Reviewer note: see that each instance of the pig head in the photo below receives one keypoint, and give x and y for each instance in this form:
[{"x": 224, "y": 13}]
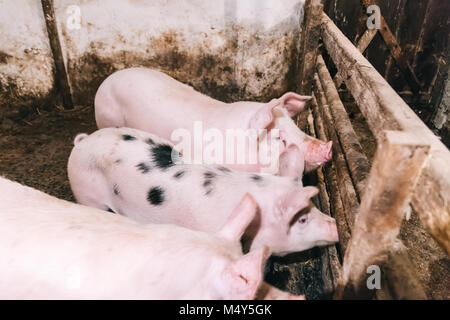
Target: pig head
[
  {"x": 296, "y": 225},
  {"x": 299, "y": 152}
]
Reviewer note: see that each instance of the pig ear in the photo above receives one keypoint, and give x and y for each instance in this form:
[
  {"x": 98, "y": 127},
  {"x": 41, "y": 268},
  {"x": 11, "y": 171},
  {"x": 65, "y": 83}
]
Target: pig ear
[
  {"x": 239, "y": 219},
  {"x": 245, "y": 275},
  {"x": 263, "y": 118},
  {"x": 295, "y": 201},
  {"x": 293, "y": 102},
  {"x": 292, "y": 162}
]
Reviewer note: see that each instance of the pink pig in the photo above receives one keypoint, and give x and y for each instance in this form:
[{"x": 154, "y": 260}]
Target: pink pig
[
  {"x": 152, "y": 101},
  {"x": 54, "y": 249},
  {"x": 132, "y": 173},
  {"x": 268, "y": 292}
]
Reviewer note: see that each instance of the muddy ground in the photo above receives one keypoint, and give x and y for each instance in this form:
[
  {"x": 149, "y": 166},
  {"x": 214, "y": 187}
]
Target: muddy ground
[{"x": 35, "y": 150}]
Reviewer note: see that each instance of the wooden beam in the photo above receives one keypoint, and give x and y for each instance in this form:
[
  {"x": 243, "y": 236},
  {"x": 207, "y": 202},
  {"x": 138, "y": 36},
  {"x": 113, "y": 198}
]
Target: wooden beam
[
  {"x": 310, "y": 37},
  {"x": 329, "y": 256},
  {"x": 356, "y": 160},
  {"x": 344, "y": 181},
  {"x": 385, "y": 110},
  {"x": 335, "y": 201},
  {"x": 362, "y": 45},
  {"x": 398, "y": 163},
  {"x": 61, "y": 81},
  {"x": 401, "y": 277},
  {"x": 397, "y": 53}
]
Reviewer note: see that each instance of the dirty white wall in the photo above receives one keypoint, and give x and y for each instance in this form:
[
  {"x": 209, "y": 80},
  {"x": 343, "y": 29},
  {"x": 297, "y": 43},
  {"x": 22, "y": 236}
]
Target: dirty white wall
[
  {"x": 26, "y": 62},
  {"x": 230, "y": 49},
  {"x": 226, "y": 48}
]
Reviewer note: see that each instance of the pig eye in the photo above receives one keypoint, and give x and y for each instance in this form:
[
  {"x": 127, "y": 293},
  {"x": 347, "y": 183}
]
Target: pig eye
[{"x": 303, "y": 220}]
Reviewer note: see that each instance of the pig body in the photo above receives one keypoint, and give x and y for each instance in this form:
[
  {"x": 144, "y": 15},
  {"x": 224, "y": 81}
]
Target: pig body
[
  {"x": 131, "y": 172},
  {"x": 151, "y": 101},
  {"x": 54, "y": 249}
]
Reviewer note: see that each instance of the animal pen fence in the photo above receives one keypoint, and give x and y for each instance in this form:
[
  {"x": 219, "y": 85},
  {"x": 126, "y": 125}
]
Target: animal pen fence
[{"x": 410, "y": 170}]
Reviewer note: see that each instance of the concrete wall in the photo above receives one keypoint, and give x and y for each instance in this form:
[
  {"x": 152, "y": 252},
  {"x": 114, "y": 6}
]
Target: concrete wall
[
  {"x": 26, "y": 62},
  {"x": 229, "y": 49}
]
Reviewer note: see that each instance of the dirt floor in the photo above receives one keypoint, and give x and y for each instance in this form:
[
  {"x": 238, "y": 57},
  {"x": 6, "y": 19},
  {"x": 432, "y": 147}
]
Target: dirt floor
[{"x": 35, "y": 150}]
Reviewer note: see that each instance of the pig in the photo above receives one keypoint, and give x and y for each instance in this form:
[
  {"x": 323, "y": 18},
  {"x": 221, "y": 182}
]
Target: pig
[
  {"x": 139, "y": 175},
  {"x": 152, "y": 101},
  {"x": 268, "y": 292},
  {"x": 55, "y": 249}
]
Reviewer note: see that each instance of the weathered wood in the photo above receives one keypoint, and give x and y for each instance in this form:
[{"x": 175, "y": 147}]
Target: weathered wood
[
  {"x": 362, "y": 45},
  {"x": 329, "y": 257},
  {"x": 344, "y": 181},
  {"x": 310, "y": 37},
  {"x": 385, "y": 110},
  {"x": 330, "y": 252},
  {"x": 396, "y": 52},
  {"x": 352, "y": 65},
  {"x": 401, "y": 277},
  {"x": 356, "y": 160},
  {"x": 61, "y": 81},
  {"x": 398, "y": 163},
  {"x": 335, "y": 201}
]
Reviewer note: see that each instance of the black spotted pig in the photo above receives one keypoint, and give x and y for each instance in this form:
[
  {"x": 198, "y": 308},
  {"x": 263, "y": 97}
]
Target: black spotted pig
[
  {"x": 131, "y": 172},
  {"x": 55, "y": 249},
  {"x": 152, "y": 101}
]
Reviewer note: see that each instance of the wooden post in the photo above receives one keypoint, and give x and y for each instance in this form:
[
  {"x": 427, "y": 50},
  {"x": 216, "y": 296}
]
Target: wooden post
[
  {"x": 356, "y": 160},
  {"x": 398, "y": 163},
  {"x": 396, "y": 52},
  {"x": 401, "y": 276},
  {"x": 311, "y": 29},
  {"x": 329, "y": 256},
  {"x": 384, "y": 109},
  {"x": 336, "y": 206},
  {"x": 362, "y": 45},
  {"x": 61, "y": 80},
  {"x": 344, "y": 181}
]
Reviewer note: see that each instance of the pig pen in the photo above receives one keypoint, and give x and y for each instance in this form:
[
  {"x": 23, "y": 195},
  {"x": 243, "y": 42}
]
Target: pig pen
[{"x": 386, "y": 162}]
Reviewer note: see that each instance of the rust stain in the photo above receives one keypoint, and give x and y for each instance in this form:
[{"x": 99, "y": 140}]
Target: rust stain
[{"x": 213, "y": 73}]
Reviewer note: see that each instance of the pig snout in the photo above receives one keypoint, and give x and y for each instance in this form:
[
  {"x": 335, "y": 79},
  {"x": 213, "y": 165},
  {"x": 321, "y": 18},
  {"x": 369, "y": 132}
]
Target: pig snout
[
  {"x": 319, "y": 151},
  {"x": 329, "y": 231},
  {"x": 328, "y": 151},
  {"x": 332, "y": 231}
]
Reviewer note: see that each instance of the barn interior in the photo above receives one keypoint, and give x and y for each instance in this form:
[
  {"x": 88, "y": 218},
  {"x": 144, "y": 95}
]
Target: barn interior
[{"x": 55, "y": 53}]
